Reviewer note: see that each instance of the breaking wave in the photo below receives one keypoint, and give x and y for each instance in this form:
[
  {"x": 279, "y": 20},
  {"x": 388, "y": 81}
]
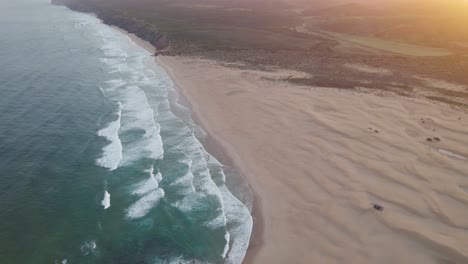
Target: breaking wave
[
  {"x": 172, "y": 174},
  {"x": 112, "y": 153}
]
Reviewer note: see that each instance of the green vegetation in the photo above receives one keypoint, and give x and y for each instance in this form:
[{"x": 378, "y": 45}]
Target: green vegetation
[
  {"x": 194, "y": 26},
  {"x": 262, "y": 34}
]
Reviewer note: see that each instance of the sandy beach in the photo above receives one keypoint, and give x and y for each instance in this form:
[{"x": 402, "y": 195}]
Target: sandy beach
[{"x": 319, "y": 158}]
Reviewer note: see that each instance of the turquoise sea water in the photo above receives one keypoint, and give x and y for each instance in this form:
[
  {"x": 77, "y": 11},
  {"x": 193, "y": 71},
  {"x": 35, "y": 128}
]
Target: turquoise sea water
[{"x": 98, "y": 161}]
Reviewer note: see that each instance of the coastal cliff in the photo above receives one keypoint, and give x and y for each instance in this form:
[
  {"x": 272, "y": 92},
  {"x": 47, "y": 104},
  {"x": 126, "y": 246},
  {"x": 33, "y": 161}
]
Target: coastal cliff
[
  {"x": 266, "y": 37},
  {"x": 136, "y": 26}
]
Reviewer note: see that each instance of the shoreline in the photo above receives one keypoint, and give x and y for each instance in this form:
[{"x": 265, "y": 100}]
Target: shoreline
[
  {"x": 319, "y": 158},
  {"x": 218, "y": 147},
  {"x": 317, "y": 168},
  {"x": 213, "y": 144}
]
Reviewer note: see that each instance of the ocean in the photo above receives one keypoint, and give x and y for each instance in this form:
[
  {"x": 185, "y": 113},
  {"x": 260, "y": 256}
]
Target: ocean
[{"x": 99, "y": 163}]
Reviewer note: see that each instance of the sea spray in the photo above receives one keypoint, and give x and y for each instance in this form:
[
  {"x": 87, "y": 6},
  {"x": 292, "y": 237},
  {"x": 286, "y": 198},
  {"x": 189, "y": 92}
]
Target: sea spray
[
  {"x": 187, "y": 198},
  {"x": 106, "y": 200},
  {"x": 112, "y": 153}
]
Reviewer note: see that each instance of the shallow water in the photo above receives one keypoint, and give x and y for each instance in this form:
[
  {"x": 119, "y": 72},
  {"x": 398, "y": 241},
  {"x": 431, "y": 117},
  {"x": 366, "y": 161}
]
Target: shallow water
[{"x": 96, "y": 167}]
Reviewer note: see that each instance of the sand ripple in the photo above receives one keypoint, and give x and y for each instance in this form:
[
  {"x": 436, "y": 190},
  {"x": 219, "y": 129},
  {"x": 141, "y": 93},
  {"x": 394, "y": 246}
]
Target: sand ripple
[{"x": 319, "y": 158}]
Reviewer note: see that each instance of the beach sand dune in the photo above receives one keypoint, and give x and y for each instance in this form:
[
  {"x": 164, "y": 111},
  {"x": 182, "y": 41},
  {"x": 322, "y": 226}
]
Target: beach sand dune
[{"x": 319, "y": 158}]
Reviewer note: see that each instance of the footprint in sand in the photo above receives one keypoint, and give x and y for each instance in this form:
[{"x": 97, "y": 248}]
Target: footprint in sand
[
  {"x": 434, "y": 139},
  {"x": 427, "y": 123}
]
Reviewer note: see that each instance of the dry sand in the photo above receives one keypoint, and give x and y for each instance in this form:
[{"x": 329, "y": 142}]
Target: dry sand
[{"x": 318, "y": 158}]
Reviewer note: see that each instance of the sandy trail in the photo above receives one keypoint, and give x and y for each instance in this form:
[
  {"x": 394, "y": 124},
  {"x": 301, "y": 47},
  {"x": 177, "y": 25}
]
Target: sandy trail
[{"x": 318, "y": 158}]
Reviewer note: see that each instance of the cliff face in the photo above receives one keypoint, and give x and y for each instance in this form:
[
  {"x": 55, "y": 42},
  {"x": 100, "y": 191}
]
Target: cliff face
[{"x": 140, "y": 28}]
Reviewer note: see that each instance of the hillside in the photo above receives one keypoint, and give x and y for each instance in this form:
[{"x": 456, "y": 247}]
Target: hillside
[
  {"x": 439, "y": 24},
  {"x": 351, "y": 9},
  {"x": 201, "y": 25},
  {"x": 263, "y": 34}
]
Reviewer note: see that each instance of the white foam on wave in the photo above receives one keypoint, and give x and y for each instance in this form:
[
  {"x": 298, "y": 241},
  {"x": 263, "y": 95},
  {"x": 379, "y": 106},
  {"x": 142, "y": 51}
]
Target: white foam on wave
[
  {"x": 451, "y": 154},
  {"x": 88, "y": 247},
  {"x": 113, "y": 50},
  {"x": 144, "y": 205},
  {"x": 240, "y": 226},
  {"x": 112, "y": 153},
  {"x": 233, "y": 214},
  {"x": 157, "y": 177},
  {"x": 146, "y": 186},
  {"x": 115, "y": 57},
  {"x": 102, "y": 91},
  {"x": 184, "y": 182},
  {"x": 115, "y": 83},
  {"x": 149, "y": 192},
  {"x": 197, "y": 185},
  {"x": 226, "y": 246},
  {"x": 216, "y": 222},
  {"x": 106, "y": 200},
  {"x": 176, "y": 260},
  {"x": 139, "y": 116},
  {"x": 238, "y": 220},
  {"x": 139, "y": 131}
]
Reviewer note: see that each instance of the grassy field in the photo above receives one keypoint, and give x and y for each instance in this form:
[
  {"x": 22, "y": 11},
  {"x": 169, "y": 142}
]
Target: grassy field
[{"x": 392, "y": 46}]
